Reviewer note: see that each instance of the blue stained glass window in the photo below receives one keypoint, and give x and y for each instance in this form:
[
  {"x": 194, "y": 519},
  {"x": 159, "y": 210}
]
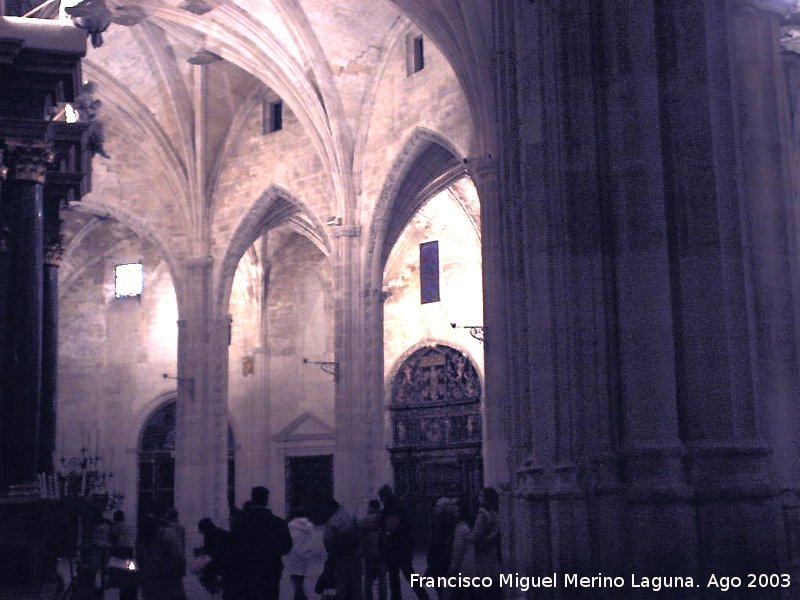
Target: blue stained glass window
[{"x": 429, "y": 272}]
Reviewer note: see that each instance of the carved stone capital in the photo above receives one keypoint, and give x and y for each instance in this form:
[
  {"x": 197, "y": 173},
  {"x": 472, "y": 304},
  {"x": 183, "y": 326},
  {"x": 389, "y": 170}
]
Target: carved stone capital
[
  {"x": 28, "y": 161},
  {"x": 347, "y": 231},
  {"x": 54, "y": 251},
  {"x": 483, "y": 166}
]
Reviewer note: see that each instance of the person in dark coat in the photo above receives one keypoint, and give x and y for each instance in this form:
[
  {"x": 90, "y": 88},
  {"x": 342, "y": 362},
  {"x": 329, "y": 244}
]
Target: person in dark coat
[
  {"x": 445, "y": 517},
  {"x": 259, "y": 539},
  {"x": 397, "y": 543},
  {"x": 485, "y": 538},
  {"x": 374, "y": 569},
  {"x": 217, "y": 545},
  {"x": 341, "y": 539},
  {"x": 122, "y": 548},
  {"x": 161, "y": 562}
]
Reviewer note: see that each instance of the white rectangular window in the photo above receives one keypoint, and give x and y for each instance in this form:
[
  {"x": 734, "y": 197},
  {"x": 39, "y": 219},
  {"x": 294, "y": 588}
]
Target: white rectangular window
[{"x": 128, "y": 280}]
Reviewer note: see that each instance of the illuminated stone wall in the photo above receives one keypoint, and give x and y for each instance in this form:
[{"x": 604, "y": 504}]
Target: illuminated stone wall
[{"x": 112, "y": 351}]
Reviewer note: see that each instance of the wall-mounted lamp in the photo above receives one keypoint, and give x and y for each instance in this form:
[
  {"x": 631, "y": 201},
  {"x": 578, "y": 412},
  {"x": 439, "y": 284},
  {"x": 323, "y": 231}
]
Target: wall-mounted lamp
[
  {"x": 189, "y": 381},
  {"x": 476, "y": 331},
  {"x": 334, "y": 220},
  {"x": 329, "y": 366}
]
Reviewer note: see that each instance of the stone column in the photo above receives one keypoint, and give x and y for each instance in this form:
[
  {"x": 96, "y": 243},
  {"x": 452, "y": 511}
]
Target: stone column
[
  {"x": 259, "y": 435},
  {"x": 27, "y": 163},
  {"x": 5, "y": 285},
  {"x": 352, "y": 463},
  {"x": 484, "y": 172},
  {"x": 741, "y": 412},
  {"x": 201, "y": 443},
  {"x": 661, "y": 537},
  {"x": 5, "y": 274},
  {"x": 53, "y": 250}
]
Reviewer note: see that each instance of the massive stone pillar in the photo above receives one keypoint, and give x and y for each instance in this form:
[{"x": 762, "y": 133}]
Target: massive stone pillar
[
  {"x": 661, "y": 537},
  {"x": 201, "y": 442},
  {"x": 27, "y": 161},
  {"x": 484, "y": 171},
  {"x": 752, "y": 446},
  {"x": 5, "y": 290},
  {"x": 52, "y": 259},
  {"x": 648, "y": 146},
  {"x": 353, "y": 465}
]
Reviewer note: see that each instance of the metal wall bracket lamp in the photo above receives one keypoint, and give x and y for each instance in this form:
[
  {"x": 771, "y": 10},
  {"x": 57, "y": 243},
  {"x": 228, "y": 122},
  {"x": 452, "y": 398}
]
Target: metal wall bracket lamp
[
  {"x": 189, "y": 381},
  {"x": 476, "y": 331},
  {"x": 328, "y": 366}
]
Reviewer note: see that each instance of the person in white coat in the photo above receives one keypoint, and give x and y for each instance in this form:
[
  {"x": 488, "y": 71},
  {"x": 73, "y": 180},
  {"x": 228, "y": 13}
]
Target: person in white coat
[{"x": 296, "y": 562}]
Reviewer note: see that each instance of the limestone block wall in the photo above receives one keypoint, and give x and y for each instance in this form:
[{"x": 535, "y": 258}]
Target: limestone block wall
[
  {"x": 407, "y": 322},
  {"x": 257, "y": 161},
  {"x": 112, "y": 353},
  {"x": 430, "y": 98}
]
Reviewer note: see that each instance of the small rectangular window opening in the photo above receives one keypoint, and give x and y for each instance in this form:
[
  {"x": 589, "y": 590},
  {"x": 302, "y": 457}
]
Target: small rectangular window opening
[
  {"x": 419, "y": 54},
  {"x": 272, "y": 119},
  {"x": 276, "y": 115},
  {"x": 128, "y": 280},
  {"x": 429, "y": 272}
]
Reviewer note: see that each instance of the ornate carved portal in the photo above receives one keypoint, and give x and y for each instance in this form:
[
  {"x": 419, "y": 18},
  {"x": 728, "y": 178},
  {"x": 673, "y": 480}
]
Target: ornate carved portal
[
  {"x": 435, "y": 414},
  {"x": 157, "y": 463}
]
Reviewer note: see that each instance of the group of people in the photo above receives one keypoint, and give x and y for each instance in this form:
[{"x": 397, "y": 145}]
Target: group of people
[
  {"x": 246, "y": 563},
  {"x": 161, "y": 554},
  {"x": 461, "y": 543},
  {"x": 249, "y": 561},
  {"x": 466, "y": 543}
]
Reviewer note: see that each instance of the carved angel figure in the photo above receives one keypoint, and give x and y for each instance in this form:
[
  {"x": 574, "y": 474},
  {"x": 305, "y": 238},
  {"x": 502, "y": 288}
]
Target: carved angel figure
[{"x": 91, "y": 15}]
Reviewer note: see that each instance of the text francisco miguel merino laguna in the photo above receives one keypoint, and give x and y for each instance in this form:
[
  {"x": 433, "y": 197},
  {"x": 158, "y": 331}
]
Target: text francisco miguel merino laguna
[{"x": 566, "y": 580}]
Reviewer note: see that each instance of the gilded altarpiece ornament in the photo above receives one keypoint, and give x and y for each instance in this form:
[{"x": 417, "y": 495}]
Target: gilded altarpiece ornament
[
  {"x": 436, "y": 429},
  {"x": 28, "y": 161},
  {"x": 54, "y": 249}
]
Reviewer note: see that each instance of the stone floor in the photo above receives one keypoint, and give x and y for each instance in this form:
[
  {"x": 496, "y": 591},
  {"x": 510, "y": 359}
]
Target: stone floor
[{"x": 194, "y": 591}]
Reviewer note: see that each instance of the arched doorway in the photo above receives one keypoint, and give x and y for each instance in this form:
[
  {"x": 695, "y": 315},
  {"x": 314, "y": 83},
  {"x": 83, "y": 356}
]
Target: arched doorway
[
  {"x": 435, "y": 416},
  {"x": 156, "y": 483}
]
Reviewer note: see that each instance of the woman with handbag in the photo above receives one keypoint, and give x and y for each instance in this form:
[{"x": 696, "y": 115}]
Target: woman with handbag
[{"x": 119, "y": 572}]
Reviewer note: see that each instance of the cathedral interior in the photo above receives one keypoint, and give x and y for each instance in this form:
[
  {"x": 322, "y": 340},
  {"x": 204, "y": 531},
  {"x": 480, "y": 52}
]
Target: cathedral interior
[{"x": 324, "y": 245}]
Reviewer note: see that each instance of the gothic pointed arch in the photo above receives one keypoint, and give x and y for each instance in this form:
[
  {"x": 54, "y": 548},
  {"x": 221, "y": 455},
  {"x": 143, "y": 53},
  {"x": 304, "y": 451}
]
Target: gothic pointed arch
[
  {"x": 428, "y": 163},
  {"x": 274, "y": 207},
  {"x": 138, "y": 226}
]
